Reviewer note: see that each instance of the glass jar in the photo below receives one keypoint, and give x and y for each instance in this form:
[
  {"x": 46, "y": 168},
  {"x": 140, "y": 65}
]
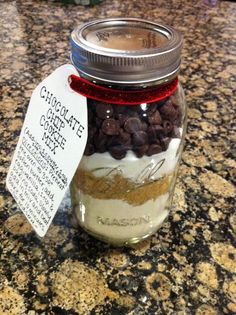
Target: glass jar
[{"x": 122, "y": 190}]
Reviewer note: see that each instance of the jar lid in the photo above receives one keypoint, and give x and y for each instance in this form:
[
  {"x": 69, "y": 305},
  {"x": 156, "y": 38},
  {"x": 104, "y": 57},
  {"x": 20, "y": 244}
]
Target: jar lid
[{"x": 126, "y": 51}]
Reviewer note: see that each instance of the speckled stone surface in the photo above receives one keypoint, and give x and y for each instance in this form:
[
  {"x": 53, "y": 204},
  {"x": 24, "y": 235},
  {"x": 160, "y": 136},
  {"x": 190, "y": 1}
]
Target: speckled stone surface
[{"x": 189, "y": 267}]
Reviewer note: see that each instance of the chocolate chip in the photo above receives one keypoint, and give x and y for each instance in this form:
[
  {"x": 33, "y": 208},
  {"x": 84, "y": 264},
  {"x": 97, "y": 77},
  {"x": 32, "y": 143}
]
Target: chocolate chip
[
  {"x": 111, "y": 141},
  {"x": 141, "y": 150},
  {"x": 165, "y": 143},
  {"x": 122, "y": 119},
  {"x": 151, "y": 134},
  {"x": 155, "y": 132},
  {"x": 118, "y": 152},
  {"x": 157, "y": 141},
  {"x": 144, "y": 126},
  {"x": 154, "y": 149},
  {"x": 179, "y": 116},
  {"x": 91, "y": 132},
  {"x": 98, "y": 122},
  {"x": 132, "y": 125},
  {"x": 159, "y": 131},
  {"x": 168, "y": 127},
  {"x": 173, "y": 101},
  {"x": 139, "y": 138},
  {"x": 168, "y": 111},
  {"x": 124, "y": 138},
  {"x": 155, "y": 118},
  {"x": 151, "y": 108},
  {"x": 100, "y": 140},
  {"x": 89, "y": 149},
  {"x": 104, "y": 111},
  {"x": 110, "y": 127}
]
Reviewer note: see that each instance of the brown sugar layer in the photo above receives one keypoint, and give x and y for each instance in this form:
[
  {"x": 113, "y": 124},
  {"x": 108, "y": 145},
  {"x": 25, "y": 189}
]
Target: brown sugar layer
[{"x": 118, "y": 187}]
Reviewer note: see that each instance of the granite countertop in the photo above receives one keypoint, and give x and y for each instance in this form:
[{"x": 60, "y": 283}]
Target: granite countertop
[{"x": 189, "y": 266}]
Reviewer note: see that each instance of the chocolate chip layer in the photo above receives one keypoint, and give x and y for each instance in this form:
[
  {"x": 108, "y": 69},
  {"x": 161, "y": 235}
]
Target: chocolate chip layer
[{"x": 146, "y": 130}]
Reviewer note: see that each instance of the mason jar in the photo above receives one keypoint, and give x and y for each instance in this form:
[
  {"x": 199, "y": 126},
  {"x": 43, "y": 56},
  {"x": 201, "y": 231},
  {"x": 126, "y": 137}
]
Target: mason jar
[{"x": 128, "y": 69}]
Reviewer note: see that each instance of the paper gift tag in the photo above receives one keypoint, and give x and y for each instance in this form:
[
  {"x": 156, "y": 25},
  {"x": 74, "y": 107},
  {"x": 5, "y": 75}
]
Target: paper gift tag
[{"x": 50, "y": 147}]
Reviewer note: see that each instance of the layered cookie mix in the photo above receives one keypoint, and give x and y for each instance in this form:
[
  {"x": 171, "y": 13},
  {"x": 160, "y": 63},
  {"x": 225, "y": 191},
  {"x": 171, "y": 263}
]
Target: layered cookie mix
[{"x": 124, "y": 181}]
